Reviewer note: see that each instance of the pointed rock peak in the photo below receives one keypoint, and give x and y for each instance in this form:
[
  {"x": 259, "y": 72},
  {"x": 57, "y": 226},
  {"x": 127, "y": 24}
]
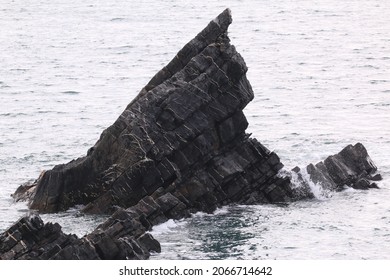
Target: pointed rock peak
[
  {"x": 181, "y": 140},
  {"x": 179, "y": 148},
  {"x": 224, "y": 19},
  {"x": 216, "y": 29}
]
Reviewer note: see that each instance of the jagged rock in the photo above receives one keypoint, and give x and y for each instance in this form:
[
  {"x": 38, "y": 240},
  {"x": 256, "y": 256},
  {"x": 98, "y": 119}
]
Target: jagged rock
[
  {"x": 124, "y": 234},
  {"x": 30, "y": 238},
  {"x": 181, "y": 139},
  {"x": 351, "y": 167},
  {"x": 376, "y": 177},
  {"x": 26, "y": 191},
  {"x": 179, "y": 147}
]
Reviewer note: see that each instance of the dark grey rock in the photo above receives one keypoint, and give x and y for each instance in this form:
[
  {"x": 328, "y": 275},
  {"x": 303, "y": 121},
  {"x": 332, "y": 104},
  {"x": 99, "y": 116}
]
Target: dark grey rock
[
  {"x": 373, "y": 186},
  {"x": 30, "y": 238},
  {"x": 151, "y": 244},
  {"x": 361, "y": 184},
  {"x": 376, "y": 177},
  {"x": 352, "y": 167},
  {"x": 179, "y": 147},
  {"x": 184, "y": 135}
]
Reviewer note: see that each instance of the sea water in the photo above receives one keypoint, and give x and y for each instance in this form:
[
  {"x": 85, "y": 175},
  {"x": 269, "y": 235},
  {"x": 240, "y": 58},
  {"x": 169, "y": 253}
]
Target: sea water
[{"x": 321, "y": 78}]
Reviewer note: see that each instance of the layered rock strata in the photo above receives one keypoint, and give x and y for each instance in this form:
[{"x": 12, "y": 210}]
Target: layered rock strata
[
  {"x": 352, "y": 167},
  {"x": 30, "y": 238},
  {"x": 179, "y": 147},
  {"x": 124, "y": 234},
  {"x": 183, "y": 135}
]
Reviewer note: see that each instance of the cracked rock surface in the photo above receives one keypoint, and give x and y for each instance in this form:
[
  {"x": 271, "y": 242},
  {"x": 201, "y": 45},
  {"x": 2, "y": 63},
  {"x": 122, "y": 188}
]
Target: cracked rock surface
[
  {"x": 351, "y": 167},
  {"x": 179, "y": 147},
  {"x": 182, "y": 136}
]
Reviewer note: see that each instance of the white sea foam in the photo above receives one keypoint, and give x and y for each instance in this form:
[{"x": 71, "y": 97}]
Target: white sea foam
[
  {"x": 166, "y": 227},
  {"x": 317, "y": 189},
  {"x": 304, "y": 181}
]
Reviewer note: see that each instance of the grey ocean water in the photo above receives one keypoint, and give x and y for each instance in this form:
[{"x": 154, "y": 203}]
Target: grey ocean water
[{"x": 320, "y": 71}]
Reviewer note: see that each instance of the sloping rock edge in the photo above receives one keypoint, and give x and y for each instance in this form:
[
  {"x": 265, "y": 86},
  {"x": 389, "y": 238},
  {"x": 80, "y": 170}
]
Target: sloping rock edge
[{"x": 240, "y": 169}]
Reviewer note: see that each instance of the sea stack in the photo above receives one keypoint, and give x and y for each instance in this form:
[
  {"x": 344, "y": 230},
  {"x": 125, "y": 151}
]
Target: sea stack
[
  {"x": 178, "y": 148},
  {"x": 183, "y": 136}
]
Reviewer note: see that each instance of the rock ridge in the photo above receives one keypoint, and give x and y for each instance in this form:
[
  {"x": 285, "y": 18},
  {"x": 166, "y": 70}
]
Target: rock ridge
[
  {"x": 178, "y": 148},
  {"x": 351, "y": 167},
  {"x": 184, "y": 134}
]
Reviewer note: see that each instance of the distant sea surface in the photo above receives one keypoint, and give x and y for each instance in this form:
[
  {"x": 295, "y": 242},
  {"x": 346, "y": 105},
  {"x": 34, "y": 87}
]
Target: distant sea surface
[{"x": 320, "y": 71}]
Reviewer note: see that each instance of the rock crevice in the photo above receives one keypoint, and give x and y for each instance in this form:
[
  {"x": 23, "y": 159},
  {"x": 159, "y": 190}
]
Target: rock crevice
[
  {"x": 351, "y": 167},
  {"x": 184, "y": 134},
  {"x": 179, "y": 147}
]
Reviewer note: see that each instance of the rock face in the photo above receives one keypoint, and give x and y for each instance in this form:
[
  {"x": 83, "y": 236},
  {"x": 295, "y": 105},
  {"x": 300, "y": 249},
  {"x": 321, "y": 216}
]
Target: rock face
[
  {"x": 30, "y": 238},
  {"x": 182, "y": 136},
  {"x": 124, "y": 234},
  {"x": 352, "y": 167},
  {"x": 179, "y": 147}
]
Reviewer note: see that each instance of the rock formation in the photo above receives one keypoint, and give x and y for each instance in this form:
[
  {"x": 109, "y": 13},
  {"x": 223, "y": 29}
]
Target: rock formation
[
  {"x": 30, "y": 238},
  {"x": 179, "y": 147},
  {"x": 183, "y": 135},
  {"x": 352, "y": 167}
]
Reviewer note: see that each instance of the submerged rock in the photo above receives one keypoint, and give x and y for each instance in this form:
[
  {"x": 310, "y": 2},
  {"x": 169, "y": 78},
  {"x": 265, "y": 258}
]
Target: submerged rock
[{"x": 179, "y": 147}]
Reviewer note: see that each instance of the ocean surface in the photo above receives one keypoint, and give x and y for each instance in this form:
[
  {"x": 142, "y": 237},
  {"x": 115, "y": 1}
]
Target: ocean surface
[{"x": 320, "y": 71}]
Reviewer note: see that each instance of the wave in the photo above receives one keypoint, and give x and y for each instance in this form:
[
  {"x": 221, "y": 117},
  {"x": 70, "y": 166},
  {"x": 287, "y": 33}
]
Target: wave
[{"x": 301, "y": 183}]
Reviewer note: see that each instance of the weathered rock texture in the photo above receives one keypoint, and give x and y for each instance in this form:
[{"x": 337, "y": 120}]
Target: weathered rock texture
[
  {"x": 352, "y": 167},
  {"x": 30, "y": 238},
  {"x": 183, "y": 136},
  {"x": 179, "y": 147},
  {"x": 124, "y": 234}
]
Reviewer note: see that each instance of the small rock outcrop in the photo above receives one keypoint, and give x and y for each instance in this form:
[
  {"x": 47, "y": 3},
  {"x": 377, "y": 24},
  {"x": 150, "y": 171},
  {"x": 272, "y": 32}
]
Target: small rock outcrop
[
  {"x": 30, "y": 238},
  {"x": 179, "y": 147},
  {"x": 352, "y": 167}
]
